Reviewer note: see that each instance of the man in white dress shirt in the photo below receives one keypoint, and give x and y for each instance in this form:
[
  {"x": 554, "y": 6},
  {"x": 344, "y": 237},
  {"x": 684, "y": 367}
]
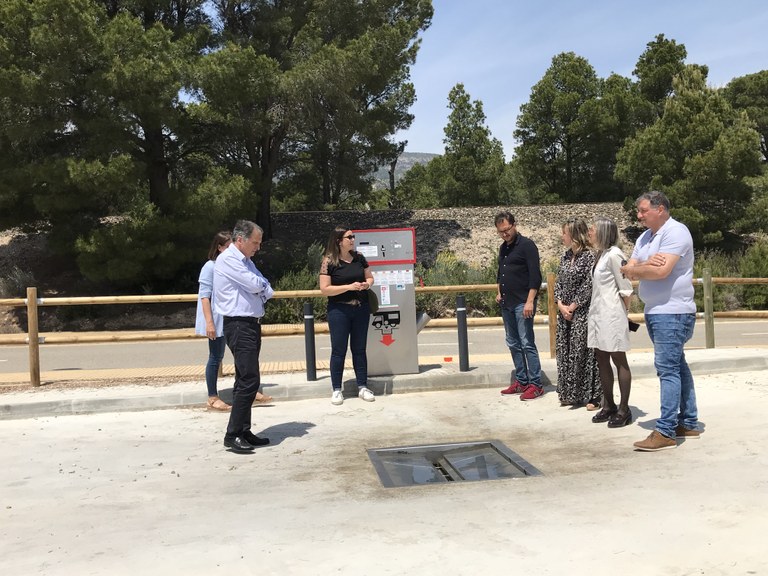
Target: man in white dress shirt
[{"x": 240, "y": 292}]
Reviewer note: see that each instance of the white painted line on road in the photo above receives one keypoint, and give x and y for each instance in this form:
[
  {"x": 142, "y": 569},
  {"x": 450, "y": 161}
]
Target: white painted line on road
[{"x": 754, "y": 333}]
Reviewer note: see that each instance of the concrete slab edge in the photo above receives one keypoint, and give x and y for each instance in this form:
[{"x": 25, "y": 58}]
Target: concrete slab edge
[{"x": 436, "y": 379}]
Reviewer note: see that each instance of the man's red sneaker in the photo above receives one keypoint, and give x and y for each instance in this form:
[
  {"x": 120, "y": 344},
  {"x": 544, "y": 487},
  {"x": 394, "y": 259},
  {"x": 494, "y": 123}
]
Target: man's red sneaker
[
  {"x": 532, "y": 392},
  {"x": 514, "y": 388}
]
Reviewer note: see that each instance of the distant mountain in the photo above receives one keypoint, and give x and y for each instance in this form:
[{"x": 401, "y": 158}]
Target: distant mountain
[{"x": 406, "y": 161}]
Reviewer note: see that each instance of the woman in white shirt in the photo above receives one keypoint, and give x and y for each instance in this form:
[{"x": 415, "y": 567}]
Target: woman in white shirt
[
  {"x": 209, "y": 323},
  {"x": 608, "y": 331}
]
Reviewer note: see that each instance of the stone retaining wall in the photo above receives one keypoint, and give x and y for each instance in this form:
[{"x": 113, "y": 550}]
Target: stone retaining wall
[{"x": 468, "y": 232}]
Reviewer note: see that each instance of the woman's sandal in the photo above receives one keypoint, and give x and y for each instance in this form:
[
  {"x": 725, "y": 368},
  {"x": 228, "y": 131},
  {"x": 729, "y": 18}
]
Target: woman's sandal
[
  {"x": 262, "y": 398},
  {"x": 218, "y": 405},
  {"x": 593, "y": 405}
]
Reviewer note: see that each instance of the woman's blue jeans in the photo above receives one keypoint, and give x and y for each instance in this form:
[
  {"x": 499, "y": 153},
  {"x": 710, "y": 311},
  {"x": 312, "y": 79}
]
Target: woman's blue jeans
[
  {"x": 522, "y": 345},
  {"x": 215, "y": 356},
  {"x": 669, "y": 333},
  {"x": 348, "y": 325}
]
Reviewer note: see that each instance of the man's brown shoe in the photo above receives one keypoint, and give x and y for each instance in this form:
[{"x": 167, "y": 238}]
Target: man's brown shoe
[
  {"x": 683, "y": 432},
  {"x": 655, "y": 441}
]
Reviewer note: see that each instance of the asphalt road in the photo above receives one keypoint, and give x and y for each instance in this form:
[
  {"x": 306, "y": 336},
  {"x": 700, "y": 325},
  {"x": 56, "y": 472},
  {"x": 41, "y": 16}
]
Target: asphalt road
[{"x": 432, "y": 342}]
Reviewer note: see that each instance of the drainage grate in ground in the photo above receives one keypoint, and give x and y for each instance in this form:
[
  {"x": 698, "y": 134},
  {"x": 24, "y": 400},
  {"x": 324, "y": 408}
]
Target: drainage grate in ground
[{"x": 463, "y": 461}]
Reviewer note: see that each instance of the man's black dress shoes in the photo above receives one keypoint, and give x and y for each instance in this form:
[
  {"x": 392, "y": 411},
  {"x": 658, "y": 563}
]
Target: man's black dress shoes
[
  {"x": 254, "y": 440},
  {"x": 239, "y": 445}
]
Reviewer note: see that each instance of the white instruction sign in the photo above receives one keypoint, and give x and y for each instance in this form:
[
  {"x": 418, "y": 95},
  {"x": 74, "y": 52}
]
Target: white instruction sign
[
  {"x": 398, "y": 278},
  {"x": 368, "y": 250},
  {"x": 386, "y": 299}
]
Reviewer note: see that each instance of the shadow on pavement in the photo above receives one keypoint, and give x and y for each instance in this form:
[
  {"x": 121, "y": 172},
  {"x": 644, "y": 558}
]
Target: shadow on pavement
[{"x": 280, "y": 432}]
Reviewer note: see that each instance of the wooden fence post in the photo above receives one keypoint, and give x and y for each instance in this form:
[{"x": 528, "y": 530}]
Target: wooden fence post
[
  {"x": 552, "y": 313},
  {"x": 33, "y": 337},
  {"x": 709, "y": 309}
]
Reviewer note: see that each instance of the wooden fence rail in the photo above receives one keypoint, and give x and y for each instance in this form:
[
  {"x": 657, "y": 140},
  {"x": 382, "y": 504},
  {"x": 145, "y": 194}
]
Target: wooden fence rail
[{"x": 32, "y": 302}]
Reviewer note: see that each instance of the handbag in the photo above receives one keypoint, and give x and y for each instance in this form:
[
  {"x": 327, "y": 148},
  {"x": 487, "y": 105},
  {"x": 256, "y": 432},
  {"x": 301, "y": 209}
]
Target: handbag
[{"x": 373, "y": 301}]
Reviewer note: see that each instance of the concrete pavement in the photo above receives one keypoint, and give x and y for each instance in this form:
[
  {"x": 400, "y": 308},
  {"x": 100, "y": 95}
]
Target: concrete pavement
[{"x": 154, "y": 492}]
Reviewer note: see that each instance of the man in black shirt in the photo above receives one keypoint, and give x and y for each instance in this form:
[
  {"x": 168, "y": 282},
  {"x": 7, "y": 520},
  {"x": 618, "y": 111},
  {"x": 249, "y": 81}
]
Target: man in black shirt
[{"x": 519, "y": 280}]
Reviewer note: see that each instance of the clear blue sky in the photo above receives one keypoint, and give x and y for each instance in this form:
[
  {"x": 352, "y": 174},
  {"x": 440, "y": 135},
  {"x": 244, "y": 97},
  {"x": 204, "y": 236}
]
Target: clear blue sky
[{"x": 500, "y": 48}]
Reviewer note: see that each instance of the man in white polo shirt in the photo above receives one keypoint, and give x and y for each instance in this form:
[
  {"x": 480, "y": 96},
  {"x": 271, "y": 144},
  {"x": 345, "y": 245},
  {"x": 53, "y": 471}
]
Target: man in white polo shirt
[{"x": 663, "y": 262}]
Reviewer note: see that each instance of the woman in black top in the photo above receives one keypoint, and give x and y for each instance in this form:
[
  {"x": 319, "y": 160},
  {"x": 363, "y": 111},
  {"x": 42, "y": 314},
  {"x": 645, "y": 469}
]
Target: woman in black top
[{"x": 344, "y": 278}]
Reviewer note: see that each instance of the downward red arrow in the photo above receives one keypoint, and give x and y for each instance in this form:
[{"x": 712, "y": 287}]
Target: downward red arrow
[{"x": 387, "y": 339}]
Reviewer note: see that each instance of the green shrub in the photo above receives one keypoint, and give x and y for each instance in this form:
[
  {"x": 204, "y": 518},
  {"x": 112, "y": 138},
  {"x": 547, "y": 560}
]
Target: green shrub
[
  {"x": 315, "y": 254},
  {"x": 754, "y": 264},
  {"x": 147, "y": 249},
  {"x": 448, "y": 270},
  {"x": 15, "y": 282},
  {"x": 720, "y": 264},
  {"x": 291, "y": 310}
]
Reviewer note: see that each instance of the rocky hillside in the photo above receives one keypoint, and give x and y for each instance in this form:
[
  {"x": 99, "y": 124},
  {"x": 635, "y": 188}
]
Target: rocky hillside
[
  {"x": 468, "y": 232},
  {"x": 405, "y": 162}
]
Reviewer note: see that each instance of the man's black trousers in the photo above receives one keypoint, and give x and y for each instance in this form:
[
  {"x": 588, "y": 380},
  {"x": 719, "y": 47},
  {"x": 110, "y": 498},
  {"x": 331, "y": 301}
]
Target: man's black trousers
[{"x": 243, "y": 337}]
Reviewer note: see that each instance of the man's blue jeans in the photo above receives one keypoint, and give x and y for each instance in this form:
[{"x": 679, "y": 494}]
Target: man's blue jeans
[
  {"x": 669, "y": 333},
  {"x": 522, "y": 345}
]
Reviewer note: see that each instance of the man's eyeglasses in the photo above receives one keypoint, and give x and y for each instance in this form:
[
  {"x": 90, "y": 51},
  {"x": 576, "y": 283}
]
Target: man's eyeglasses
[
  {"x": 505, "y": 231},
  {"x": 350, "y": 237}
]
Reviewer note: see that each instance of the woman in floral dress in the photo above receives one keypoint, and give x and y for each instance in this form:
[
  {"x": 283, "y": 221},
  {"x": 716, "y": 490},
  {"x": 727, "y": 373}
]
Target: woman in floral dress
[{"x": 578, "y": 378}]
